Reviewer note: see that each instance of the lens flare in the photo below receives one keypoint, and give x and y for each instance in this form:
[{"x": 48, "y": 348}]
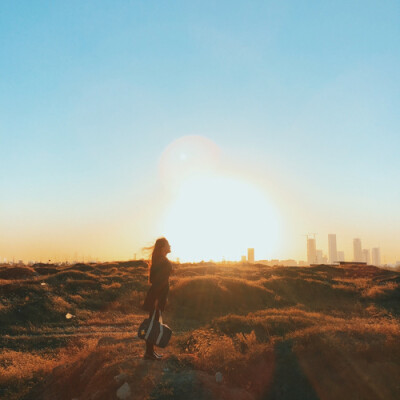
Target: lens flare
[{"x": 186, "y": 158}]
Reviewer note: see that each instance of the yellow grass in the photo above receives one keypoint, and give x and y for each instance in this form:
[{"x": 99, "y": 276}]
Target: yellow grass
[{"x": 258, "y": 326}]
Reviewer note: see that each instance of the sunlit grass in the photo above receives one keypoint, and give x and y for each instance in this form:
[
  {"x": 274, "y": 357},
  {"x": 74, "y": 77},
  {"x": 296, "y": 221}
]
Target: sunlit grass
[{"x": 333, "y": 324}]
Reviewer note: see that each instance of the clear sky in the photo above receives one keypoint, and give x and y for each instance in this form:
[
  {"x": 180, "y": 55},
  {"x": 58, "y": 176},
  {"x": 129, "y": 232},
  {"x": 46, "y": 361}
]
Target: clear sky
[{"x": 220, "y": 124}]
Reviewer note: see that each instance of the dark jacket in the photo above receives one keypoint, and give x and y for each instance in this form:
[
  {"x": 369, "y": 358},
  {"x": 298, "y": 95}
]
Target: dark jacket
[{"x": 159, "y": 279}]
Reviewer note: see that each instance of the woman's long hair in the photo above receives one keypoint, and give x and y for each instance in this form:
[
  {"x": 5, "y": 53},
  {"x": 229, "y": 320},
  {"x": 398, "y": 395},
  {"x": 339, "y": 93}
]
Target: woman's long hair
[{"x": 156, "y": 255}]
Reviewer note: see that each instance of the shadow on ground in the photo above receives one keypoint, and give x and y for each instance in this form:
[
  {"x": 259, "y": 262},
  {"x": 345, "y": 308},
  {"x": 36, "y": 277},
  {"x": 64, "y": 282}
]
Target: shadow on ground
[{"x": 289, "y": 381}]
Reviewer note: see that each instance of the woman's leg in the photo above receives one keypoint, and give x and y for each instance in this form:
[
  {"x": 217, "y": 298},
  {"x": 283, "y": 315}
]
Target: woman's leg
[
  {"x": 150, "y": 346},
  {"x": 157, "y": 318}
]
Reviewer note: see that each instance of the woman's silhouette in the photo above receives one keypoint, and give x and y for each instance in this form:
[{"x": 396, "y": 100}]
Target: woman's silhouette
[{"x": 156, "y": 298}]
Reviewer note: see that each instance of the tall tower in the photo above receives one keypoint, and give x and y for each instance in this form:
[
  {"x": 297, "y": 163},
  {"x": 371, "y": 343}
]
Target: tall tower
[
  {"x": 250, "y": 255},
  {"x": 366, "y": 256},
  {"x": 357, "y": 250},
  {"x": 311, "y": 251},
  {"x": 376, "y": 256},
  {"x": 333, "y": 256},
  {"x": 319, "y": 257}
]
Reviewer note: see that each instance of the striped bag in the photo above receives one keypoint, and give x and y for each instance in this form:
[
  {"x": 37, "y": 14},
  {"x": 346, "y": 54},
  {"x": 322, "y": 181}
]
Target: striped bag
[{"x": 155, "y": 331}]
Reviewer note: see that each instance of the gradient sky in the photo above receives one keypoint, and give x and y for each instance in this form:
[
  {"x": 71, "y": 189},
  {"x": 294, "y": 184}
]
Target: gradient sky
[{"x": 292, "y": 103}]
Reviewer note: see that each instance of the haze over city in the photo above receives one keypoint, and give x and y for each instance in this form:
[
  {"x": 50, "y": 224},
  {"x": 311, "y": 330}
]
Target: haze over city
[{"x": 219, "y": 127}]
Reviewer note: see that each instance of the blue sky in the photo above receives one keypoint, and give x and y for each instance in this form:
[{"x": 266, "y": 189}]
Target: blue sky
[{"x": 91, "y": 93}]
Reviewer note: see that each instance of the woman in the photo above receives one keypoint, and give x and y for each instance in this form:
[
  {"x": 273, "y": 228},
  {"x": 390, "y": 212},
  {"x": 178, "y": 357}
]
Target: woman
[{"x": 156, "y": 298}]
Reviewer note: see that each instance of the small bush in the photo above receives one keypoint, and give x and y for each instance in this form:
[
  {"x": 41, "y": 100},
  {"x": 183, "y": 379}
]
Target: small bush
[
  {"x": 204, "y": 297},
  {"x": 16, "y": 273}
]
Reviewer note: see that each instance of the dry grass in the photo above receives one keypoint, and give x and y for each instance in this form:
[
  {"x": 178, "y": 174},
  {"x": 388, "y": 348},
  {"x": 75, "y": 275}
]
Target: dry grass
[
  {"x": 327, "y": 332},
  {"x": 379, "y": 290},
  {"x": 20, "y": 365}
]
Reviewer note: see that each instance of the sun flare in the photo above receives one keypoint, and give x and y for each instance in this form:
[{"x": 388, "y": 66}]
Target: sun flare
[{"x": 213, "y": 215}]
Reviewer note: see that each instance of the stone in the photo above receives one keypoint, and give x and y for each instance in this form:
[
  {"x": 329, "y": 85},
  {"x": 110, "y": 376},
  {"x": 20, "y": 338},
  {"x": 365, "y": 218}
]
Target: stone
[
  {"x": 218, "y": 377},
  {"x": 124, "y": 392}
]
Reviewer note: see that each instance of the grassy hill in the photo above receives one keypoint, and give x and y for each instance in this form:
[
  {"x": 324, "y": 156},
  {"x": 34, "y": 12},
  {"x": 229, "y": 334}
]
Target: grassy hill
[{"x": 272, "y": 332}]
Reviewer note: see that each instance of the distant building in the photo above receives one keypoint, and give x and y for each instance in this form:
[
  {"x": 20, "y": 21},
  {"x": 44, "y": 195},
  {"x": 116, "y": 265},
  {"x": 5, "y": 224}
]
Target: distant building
[
  {"x": 289, "y": 263},
  {"x": 250, "y": 255},
  {"x": 340, "y": 256},
  {"x": 319, "y": 257},
  {"x": 366, "y": 256},
  {"x": 311, "y": 251},
  {"x": 243, "y": 259},
  {"x": 376, "y": 256},
  {"x": 332, "y": 253},
  {"x": 357, "y": 250},
  {"x": 302, "y": 263}
]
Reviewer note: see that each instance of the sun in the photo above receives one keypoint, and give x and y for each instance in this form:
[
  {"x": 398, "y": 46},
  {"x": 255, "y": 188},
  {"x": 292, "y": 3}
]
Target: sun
[{"x": 212, "y": 215}]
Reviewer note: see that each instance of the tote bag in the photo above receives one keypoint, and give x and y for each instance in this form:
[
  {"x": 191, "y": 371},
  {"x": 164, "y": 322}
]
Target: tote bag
[{"x": 155, "y": 331}]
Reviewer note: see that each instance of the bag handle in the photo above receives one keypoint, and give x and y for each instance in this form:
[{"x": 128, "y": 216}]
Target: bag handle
[
  {"x": 161, "y": 330},
  {"x": 151, "y": 325}
]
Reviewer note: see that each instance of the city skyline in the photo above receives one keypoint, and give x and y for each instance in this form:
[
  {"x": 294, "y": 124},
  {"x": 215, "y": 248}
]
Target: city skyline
[
  {"x": 313, "y": 255},
  {"x": 359, "y": 254}
]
